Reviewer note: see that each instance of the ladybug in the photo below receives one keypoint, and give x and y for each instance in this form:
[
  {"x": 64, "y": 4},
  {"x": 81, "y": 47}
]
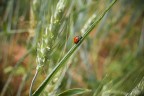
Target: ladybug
[{"x": 77, "y": 39}]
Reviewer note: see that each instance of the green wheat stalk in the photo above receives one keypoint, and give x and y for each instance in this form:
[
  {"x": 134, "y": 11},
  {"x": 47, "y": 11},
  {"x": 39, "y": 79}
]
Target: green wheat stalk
[
  {"x": 45, "y": 46},
  {"x": 138, "y": 89}
]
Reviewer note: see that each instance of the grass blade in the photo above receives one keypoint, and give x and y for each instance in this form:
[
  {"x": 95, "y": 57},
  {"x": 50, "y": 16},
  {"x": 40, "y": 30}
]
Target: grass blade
[{"x": 72, "y": 92}]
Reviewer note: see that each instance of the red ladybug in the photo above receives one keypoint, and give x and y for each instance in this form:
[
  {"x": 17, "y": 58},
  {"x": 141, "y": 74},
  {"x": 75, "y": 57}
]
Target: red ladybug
[{"x": 77, "y": 39}]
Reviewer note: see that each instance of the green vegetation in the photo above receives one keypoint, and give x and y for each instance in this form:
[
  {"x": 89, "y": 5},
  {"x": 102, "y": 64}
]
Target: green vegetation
[{"x": 39, "y": 57}]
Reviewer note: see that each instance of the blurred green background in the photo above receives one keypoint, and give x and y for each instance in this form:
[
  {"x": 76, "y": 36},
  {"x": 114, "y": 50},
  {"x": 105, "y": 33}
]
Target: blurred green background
[{"x": 110, "y": 61}]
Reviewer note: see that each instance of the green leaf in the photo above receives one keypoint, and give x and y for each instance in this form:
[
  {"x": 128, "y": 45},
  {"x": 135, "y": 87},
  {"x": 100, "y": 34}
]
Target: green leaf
[
  {"x": 20, "y": 71},
  {"x": 8, "y": 69},
  {"x": 74, "y": 91}
]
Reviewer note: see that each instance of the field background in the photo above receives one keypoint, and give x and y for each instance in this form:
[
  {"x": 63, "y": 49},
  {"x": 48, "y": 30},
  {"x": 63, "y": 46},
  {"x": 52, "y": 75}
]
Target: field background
[{"x": 35, "y": 35}]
